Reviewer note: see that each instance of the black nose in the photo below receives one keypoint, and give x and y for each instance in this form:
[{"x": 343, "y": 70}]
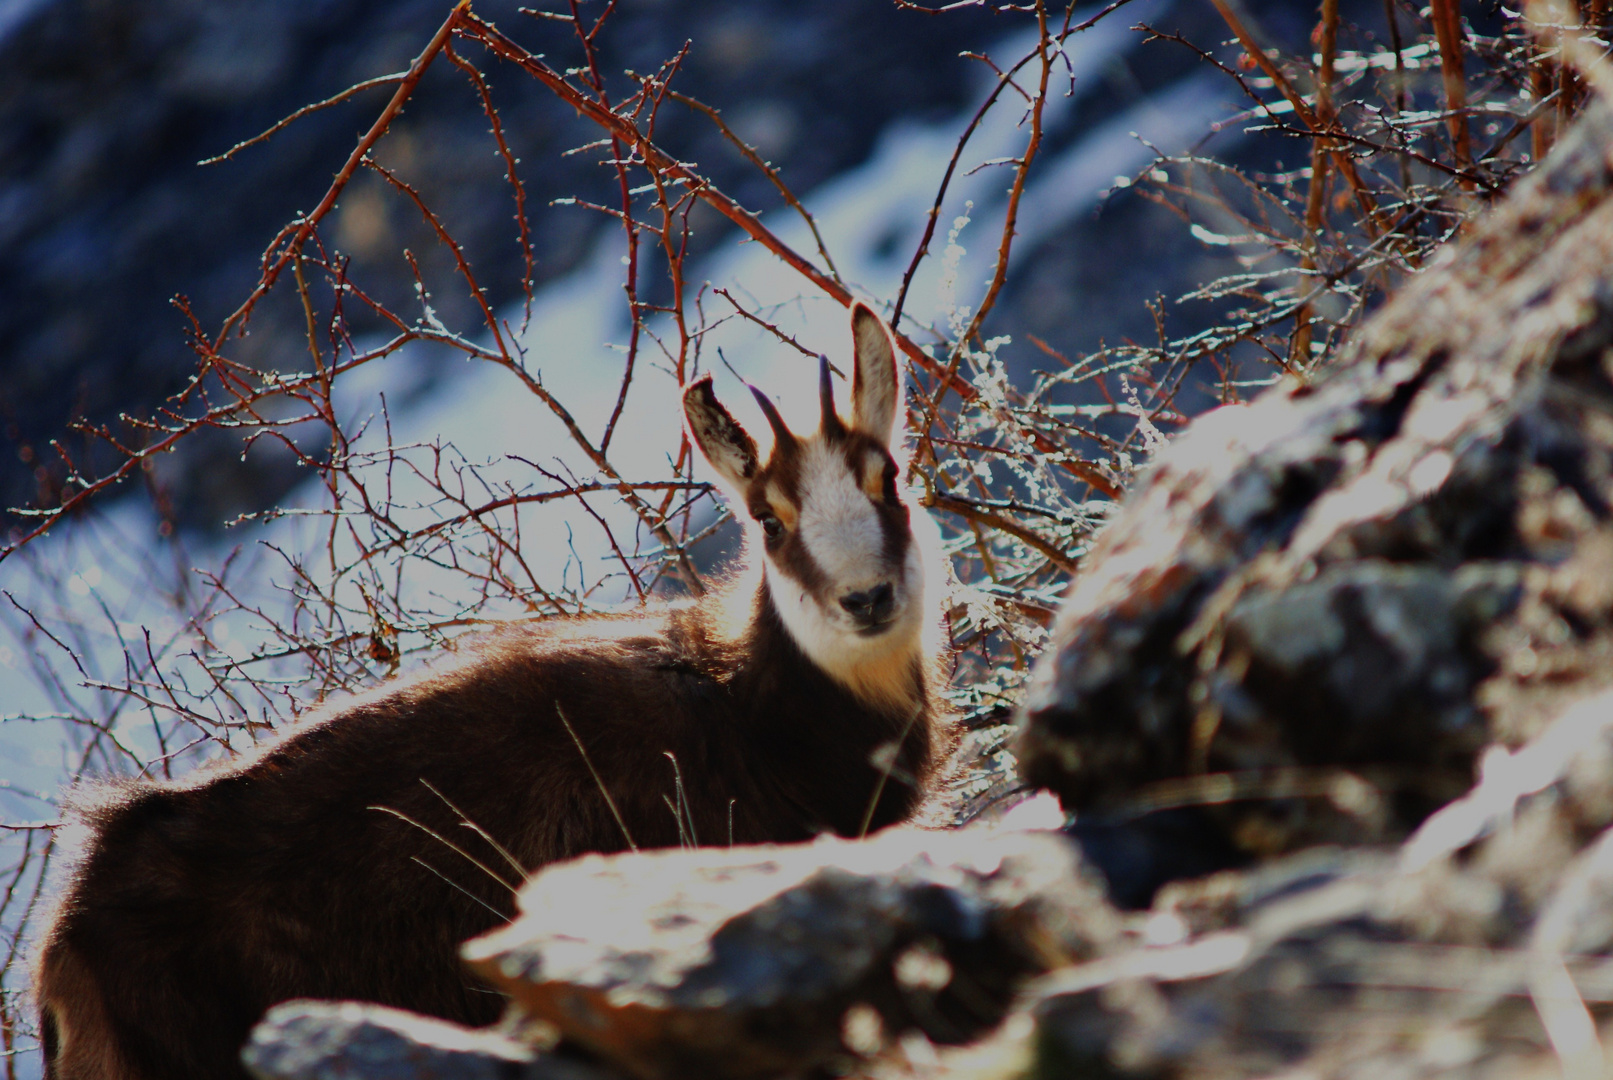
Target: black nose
[{"x": 872, "y": 606}]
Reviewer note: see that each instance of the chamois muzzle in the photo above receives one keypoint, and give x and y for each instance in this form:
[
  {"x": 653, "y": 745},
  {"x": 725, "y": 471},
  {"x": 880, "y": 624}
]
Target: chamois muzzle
[{"x": 871, "y": 607}]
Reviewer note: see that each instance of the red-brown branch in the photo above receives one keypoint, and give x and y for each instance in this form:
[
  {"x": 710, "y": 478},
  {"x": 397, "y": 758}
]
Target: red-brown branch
[
  {"x": 1302, "y": 109},
  {"x": 662, "y": 164},
  {"x": 303, "y": 228},
  {"x": 1448, "y": 31}
]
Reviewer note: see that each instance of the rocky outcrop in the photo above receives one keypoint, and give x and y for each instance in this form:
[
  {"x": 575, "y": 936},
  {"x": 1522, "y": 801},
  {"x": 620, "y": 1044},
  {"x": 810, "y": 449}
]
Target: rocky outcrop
[
  {"x": 1479, "y": 949},
  {"x": 315, "y": 1040},
  {"x": 752, "y": 962},
  {"x": 1317, "y": 609}
]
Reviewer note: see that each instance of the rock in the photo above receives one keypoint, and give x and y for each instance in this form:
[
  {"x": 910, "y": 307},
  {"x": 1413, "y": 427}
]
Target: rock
[
  {"x": 1137, "y": 854},
  {"x": 315, "y": 1040},
  {"x": 1479, "y": 949},
  {"x": 752, "y": 961},
  {"x": 1317, "y": 609}
]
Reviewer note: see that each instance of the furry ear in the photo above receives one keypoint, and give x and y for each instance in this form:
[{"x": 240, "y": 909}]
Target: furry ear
[
  {"x": 874, "y": 390},
  {"x": 729, "y": 447}
]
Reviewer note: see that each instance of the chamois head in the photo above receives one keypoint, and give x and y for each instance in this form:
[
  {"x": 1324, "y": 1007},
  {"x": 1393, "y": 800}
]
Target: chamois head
[{"x": 838, "y": 553}]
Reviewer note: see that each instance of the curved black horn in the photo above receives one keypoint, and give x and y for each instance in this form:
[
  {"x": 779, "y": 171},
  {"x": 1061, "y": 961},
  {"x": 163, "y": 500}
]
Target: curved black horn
[
  {"x": 826, "y": 399},
  {"x": 782, "y": 436}
]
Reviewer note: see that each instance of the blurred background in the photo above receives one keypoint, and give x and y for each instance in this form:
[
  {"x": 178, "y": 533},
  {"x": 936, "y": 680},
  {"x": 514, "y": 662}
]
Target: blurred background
[{"x": 105, "y": 216}]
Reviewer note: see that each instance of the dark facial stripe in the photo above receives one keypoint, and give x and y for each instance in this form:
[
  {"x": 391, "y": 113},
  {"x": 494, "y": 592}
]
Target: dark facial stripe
[
  {"x": 898, "y": 536},
  {"x": 895, "y": 532},
  {"x": 795, "y": 560},
  {"x": 895, "y": 524},
  {"x": 783, "y": 473},
  {"x": 782, "y": 476}
]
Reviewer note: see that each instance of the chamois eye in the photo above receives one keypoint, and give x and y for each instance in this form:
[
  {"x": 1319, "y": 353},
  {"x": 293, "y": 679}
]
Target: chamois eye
[{"x": 772, "y": 527}]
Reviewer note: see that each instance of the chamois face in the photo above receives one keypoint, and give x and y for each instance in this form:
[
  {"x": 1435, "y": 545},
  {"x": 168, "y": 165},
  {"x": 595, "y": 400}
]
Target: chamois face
[{"x": 842, "y": 569}]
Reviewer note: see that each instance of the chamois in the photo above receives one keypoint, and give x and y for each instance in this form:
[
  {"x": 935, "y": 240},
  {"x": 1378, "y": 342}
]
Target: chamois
[{"x": 800, "y": 698}]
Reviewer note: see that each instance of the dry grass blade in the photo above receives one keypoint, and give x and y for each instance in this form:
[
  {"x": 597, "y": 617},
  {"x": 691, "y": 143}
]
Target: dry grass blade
[
  {"x": 450, "y": 845},
  {"x": 603, "y": 790},
  {"x": 503, "y": 852}
]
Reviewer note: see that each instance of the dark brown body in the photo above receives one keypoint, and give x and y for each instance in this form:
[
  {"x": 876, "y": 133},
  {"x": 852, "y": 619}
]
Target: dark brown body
[{"x": 199, "y": 903}]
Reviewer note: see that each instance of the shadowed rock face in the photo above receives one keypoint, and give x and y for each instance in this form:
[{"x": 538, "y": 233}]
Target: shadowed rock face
[
  {"x": 758, "y": 960},
  {"x": 1478, "y": 950},
  {"x": 1371, "y": 577}
]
